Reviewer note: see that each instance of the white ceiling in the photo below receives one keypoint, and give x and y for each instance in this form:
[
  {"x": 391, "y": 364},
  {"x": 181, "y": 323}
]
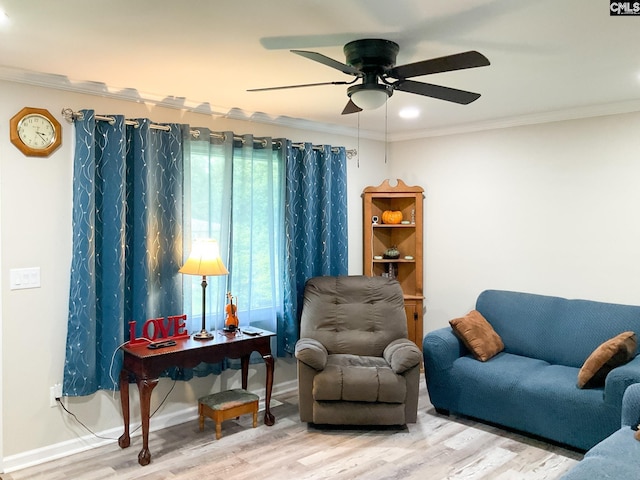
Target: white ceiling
[{"x": 550, "y": 59}]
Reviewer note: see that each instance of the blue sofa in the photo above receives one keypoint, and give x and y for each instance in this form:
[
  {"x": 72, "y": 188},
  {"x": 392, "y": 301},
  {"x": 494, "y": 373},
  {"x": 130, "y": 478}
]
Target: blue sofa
[
  {"x": 618, "y": 455},
  {"x": 531, "y": 385}
]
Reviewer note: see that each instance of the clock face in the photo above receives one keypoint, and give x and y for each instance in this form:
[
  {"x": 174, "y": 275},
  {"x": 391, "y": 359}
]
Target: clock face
[{"x": 36, "y": 131}]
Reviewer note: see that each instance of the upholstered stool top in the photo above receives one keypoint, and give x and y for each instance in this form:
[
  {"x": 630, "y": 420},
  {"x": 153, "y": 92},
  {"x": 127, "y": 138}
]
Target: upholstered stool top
[{"x": 228, "y": 399}]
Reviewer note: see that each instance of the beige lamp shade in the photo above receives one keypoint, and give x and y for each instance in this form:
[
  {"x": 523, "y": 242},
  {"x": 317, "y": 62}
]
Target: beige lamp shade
[{"x": 204, "y": 259}]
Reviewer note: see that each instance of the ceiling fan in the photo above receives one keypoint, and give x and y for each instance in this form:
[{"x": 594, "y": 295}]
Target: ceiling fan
[{"x": 374, "y": 61}]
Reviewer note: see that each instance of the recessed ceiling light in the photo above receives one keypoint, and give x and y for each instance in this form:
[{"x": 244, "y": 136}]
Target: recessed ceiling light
[
  {"x": 409, "y": 112},
  {"x": 4, "y": 18}
]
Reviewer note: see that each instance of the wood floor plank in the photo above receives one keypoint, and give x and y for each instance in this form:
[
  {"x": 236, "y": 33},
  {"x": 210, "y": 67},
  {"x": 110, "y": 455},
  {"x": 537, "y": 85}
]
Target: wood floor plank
[{"x": 436, "y": 447}]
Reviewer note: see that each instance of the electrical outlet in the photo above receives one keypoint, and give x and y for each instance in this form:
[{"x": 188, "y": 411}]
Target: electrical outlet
[{"x": 55, "y": 393}]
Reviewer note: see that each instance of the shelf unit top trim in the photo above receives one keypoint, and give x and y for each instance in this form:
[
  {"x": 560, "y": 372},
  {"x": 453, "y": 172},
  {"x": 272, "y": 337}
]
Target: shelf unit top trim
[{"x": 385, "y": 187}]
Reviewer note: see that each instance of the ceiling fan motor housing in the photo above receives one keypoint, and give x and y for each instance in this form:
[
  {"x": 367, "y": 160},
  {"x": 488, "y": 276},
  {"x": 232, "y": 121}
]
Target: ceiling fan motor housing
[{"x": 371, "y": 55}]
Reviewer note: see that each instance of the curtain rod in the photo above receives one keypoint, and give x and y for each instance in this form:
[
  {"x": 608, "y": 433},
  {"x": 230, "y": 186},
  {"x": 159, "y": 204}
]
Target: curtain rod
[{"x": 71, "y": 116}]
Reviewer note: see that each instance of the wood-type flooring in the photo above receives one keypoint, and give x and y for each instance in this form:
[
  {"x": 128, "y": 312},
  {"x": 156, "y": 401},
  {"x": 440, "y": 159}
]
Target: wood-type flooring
[{"x": 436, "y": 447}]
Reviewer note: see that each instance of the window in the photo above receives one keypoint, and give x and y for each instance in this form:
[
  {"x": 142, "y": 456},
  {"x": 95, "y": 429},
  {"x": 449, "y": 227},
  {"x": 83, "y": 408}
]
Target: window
[{"x": 234, "y": 193}]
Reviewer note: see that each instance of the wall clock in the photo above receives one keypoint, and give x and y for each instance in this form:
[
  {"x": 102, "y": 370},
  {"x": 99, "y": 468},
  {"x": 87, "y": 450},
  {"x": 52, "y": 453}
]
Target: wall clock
[{"x": 35, "y": 132}]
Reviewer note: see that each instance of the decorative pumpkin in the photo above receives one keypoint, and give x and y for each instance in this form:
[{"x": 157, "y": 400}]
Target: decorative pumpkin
[
  {"x": 392, "y": 217},
  {"x": 391, "y": 252}
]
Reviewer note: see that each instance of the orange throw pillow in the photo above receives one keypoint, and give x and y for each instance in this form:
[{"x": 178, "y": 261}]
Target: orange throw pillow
[
  {"x": 478, "y": 335},
  {"x": 609, "y": 355}
]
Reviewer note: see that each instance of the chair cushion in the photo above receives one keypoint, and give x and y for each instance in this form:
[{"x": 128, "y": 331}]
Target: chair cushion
[
  {"x": 478, "y": 335},
  {"x": 356, "y": 315},
  {"x": 355, "y": 378},
  {"x": 610, "y": 354}
]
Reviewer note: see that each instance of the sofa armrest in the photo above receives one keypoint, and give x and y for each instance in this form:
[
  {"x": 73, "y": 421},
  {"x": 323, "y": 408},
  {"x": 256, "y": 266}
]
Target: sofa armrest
[
  {"x": 311, "y": 352},
  {"x": 441, "y": 348},
  {"x": 402, "y": 354},
  {"x": 631, "y": 406},
  {"x": 619, "y": 379}
]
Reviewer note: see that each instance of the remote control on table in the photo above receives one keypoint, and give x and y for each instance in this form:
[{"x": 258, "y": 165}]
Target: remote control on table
[
  {"x": 251, "y": 331},
  {"x": 163, "y": 344}
]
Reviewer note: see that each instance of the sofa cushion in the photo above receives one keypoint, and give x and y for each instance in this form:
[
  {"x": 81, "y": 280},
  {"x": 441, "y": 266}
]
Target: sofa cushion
[
  {"x": 355, "y": 378},
  {"x": 532, "y": 396},
  {"x": 478, "y": 335},
  {"x": 617, "y": 456},
  {"x": 545, "y": 327},
  {"x": 609, "y": 355}
]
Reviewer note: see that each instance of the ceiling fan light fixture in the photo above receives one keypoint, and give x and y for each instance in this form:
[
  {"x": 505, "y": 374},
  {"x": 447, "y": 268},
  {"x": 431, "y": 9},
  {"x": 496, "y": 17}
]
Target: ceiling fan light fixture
[{"x": 369, "y": 97}]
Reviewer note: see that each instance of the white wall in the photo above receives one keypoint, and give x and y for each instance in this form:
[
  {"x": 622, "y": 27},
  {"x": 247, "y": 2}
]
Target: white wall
[
  {"x": 551, "y": 209},
  {"x": 35, "y": 216}
]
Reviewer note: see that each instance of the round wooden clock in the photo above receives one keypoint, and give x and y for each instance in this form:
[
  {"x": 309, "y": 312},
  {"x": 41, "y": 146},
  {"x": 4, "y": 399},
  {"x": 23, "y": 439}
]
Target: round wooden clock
[{"x": 35, "y": 132}]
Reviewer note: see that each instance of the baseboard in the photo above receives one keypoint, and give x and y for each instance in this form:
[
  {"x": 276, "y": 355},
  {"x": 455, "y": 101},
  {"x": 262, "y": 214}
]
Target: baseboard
[{"x": 87, "y": 442}]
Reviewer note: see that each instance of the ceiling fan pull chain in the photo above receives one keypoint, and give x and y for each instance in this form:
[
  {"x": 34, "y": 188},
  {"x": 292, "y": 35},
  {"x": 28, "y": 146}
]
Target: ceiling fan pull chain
[
  {"x": 358, "y": 138},
  {"x": 386, "y": 124}
]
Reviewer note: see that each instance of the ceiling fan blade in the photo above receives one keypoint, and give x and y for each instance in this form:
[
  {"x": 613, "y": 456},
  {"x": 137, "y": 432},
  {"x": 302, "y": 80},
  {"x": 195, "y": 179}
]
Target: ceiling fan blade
[
  {"x": 297, "y": 86},
  {"x": 351, "y": 107},
  {"x": 436, "y": 91},
  {"x": 329, "y": 62},
  {"x": 459, "y": 61}
]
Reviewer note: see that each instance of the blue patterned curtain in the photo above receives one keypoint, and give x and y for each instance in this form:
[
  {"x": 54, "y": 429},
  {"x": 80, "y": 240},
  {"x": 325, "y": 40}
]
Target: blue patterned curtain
[
  {"x": 127, "y": 242},
  {"x": 315, "y": 226},
  {"x": 280, "y": 214}
]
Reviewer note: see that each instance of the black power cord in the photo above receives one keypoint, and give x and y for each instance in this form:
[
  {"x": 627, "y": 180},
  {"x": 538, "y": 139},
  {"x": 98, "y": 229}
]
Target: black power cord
[
  {"x": 59, "y": 400},
  {"x": 75, "y": 417}
]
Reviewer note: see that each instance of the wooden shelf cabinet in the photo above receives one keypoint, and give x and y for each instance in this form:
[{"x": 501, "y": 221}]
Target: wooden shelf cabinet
[{"x": 406, "y": 237}]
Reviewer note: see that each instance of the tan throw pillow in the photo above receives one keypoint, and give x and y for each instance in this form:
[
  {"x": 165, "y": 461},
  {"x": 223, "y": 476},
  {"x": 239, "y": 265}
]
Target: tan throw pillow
[
  {"x": 611, "y": 354},
  {"x": 478, "y": 335}
]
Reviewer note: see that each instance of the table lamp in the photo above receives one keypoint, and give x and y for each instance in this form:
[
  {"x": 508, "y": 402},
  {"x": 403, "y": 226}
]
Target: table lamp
[{"x": 204, "y": 260}]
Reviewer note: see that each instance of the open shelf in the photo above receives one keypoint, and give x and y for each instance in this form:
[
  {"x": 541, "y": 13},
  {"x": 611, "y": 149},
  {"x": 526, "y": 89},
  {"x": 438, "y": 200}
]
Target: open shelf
[{"x": 407, "y": 238}]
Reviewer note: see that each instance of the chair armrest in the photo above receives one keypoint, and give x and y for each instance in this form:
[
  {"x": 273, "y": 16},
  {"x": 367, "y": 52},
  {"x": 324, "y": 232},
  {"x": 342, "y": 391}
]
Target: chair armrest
[
  {"x": 311, "y": 352},
  {"x": 631, "y": 406},
  {"x": 619, "y": 379},
  {"x": 402, "y": 354}
]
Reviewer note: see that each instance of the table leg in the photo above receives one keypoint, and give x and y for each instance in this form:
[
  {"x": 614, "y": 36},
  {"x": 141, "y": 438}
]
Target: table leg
[
  {"x": 244, "y": 363},
  {"x": 145, "y": 387},
  {"x": 124, "y": 441},
  {"x": 269, "y": 418}
]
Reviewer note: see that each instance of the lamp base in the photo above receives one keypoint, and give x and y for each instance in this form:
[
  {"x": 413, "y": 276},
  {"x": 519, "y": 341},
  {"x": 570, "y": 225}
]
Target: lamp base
[{"x": 203, "y": 335}]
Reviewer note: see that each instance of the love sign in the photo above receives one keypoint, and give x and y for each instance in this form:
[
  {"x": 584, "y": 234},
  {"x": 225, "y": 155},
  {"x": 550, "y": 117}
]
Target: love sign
[{"x": 159, "y": 328}]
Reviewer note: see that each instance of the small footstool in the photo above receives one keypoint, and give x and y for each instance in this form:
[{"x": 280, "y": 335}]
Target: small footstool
[{"x": 222, "y": 406}]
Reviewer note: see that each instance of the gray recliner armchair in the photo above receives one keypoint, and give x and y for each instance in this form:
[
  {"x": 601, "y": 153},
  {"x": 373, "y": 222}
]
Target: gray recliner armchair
[{"x": 356, "y": 365}]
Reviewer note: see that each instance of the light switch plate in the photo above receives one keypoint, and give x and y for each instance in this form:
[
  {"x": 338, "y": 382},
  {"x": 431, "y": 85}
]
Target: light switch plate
[{"x": 22, "y": 278}]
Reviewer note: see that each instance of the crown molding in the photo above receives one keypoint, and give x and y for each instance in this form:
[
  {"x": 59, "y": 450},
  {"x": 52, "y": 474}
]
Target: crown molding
[
  {"x": 62, "y": 82},
  {"x": 588, "y": 111}
]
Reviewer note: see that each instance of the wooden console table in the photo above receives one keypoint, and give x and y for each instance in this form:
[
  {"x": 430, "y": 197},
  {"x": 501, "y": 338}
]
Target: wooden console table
[{"x": 146, "y": 365}]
